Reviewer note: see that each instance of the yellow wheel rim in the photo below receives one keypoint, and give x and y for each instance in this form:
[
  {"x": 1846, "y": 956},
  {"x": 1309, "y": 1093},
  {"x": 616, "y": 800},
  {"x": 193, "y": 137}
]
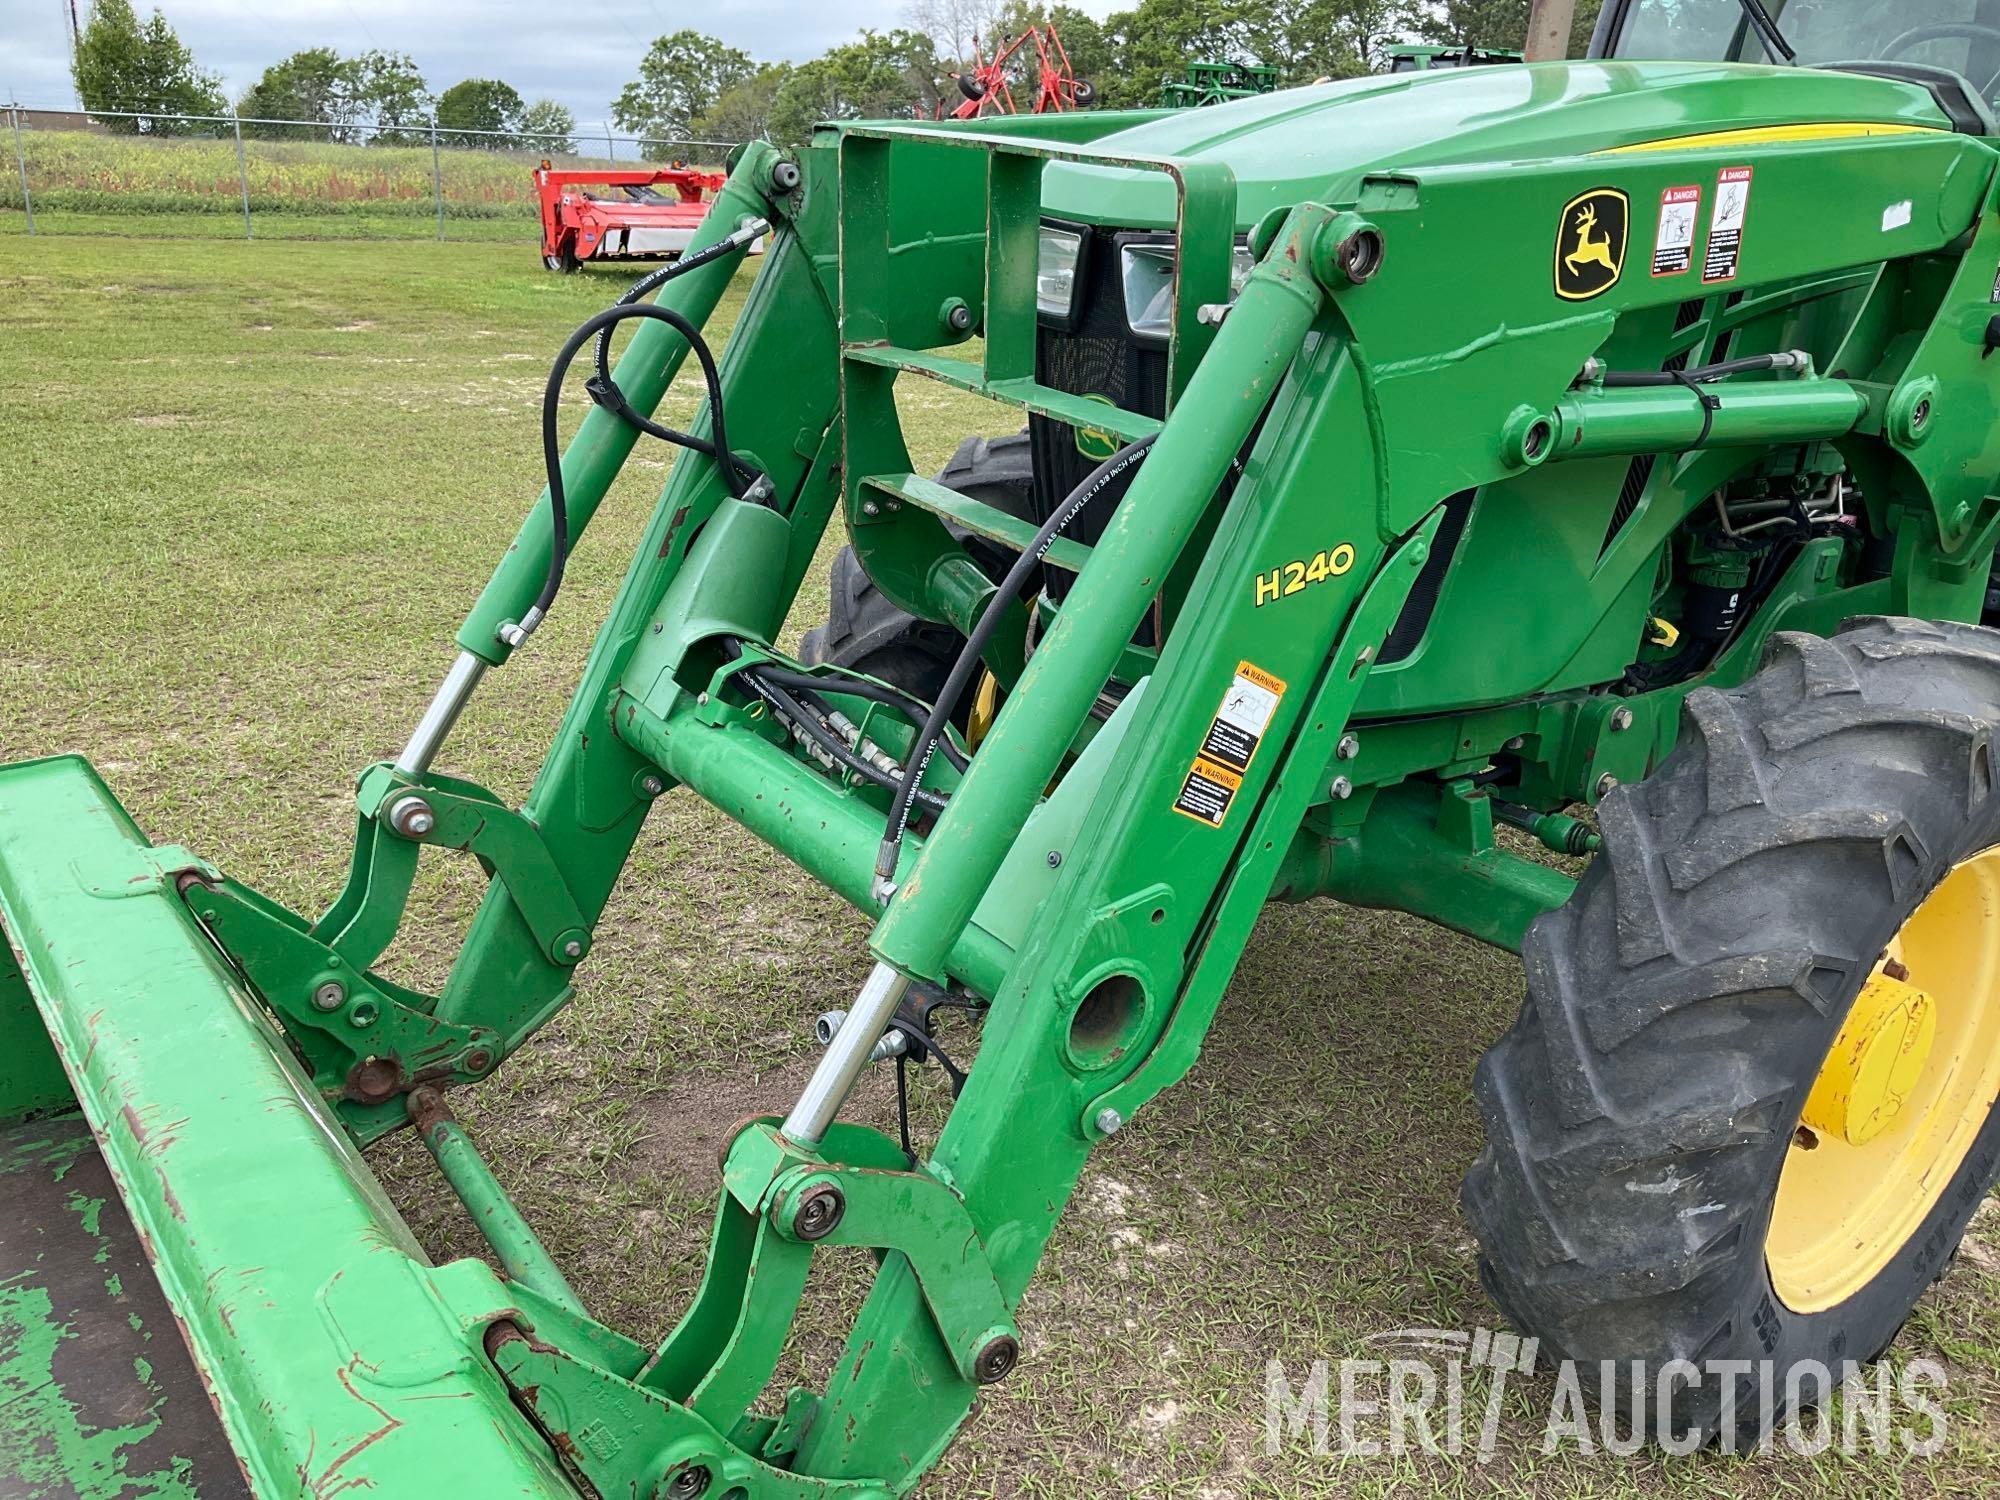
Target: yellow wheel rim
[{"x": 1898, "y": 1100}]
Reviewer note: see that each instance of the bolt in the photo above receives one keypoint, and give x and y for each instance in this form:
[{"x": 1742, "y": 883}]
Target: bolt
[
  {"x": 1055, "y": 858},
  {"x": 1515, "y": 743},
  {"x": 693, "y": 1480},
  {"x": 997, "y": 1359},
  {"x": 478, "y": 1060},
  {"x": 701, "y": 700},
  {"x": 329, "y": 995},
  {"x": 1921, "y": 413},
  {"x": 1605, "y": 783},
  {"x": 785, "y": 178},
  {"x": 572, "y": 949},
  {"x": 651, "y": 785},
  {"x": 412, "y": 817},
  {"x": 1349, "y": 746},
  {"x": 1621, "y": 720},
  {"x": 819, "y": 1212},
  {"x": 1342, "y": 788},
  {"x": 1109, "y": 1121},
  {"x": 870, "y": 508}
]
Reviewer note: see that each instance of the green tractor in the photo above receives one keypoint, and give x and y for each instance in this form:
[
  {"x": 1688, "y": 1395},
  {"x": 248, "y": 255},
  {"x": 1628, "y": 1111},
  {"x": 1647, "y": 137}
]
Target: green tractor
[{"x": 1429, "y": 480}]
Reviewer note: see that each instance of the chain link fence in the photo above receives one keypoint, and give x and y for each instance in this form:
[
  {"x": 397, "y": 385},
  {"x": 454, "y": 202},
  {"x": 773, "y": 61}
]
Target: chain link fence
[{"x": 216, "y": 176}]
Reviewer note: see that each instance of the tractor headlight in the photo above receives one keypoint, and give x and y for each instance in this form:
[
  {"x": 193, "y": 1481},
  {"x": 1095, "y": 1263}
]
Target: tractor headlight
[
  {"x": 1055, "y": 276},
  {"x": 1148, "y": 276}
]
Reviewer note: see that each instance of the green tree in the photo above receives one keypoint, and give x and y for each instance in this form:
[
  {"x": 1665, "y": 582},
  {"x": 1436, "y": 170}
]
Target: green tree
[
  {"x": 547, "y": 128},
  {"x": 880, "y": 76},
  {"x": 389, "y": 90},
  {"x": 680, "y": 79},
  {"x": 742, "y": 112},
  {"x": 481, "y": 104},
  {"x": 1495, "y": 23},
  {"x": 119, "y": 64},
  {"x": 312, "y": 85}
]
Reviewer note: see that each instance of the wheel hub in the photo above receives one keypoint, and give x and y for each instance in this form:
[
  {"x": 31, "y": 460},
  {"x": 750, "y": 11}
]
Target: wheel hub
[
  {"x": 1876, "y": 1061},
  {"x": 1898, "y": 1100}
]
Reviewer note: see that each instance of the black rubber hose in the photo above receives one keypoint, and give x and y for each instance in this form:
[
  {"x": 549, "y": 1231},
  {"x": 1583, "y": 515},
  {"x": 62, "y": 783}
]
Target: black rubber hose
[
  {"x": 912, "y": 707},
  {"x": 605, "y": 391},
  {"x": 733, "y": 473},
  {"x": 788, "y": 708},
  {"x": 955, "y": 683}
]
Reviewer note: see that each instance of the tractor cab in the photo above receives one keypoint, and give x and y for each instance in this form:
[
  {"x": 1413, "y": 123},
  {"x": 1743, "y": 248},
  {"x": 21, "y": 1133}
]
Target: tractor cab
[{"x": 1950, "y": 46}]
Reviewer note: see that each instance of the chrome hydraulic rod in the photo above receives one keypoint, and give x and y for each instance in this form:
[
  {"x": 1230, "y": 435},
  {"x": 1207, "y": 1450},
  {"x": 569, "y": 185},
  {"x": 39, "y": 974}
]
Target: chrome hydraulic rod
[
  {"x": 845, "y": 1056},
  {"x": 451, "y": 697}
]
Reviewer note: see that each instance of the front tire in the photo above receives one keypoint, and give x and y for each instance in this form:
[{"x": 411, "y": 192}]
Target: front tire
[{"x": 1662, "y": 1178}]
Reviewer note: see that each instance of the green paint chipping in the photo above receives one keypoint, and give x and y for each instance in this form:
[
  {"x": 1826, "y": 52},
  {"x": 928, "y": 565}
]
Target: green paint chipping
[{"x": 44, "y": 1446}]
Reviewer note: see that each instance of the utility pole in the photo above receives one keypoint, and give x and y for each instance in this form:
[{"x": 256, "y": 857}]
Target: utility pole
[{"x": 1548, "y": 29}]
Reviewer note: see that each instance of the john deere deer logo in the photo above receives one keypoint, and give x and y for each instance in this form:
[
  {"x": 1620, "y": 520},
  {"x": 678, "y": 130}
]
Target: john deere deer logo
[{"x": 1590, "y": 244}]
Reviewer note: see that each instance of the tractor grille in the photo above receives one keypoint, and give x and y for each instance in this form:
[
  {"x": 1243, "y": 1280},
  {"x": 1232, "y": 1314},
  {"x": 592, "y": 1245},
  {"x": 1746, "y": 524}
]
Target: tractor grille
[{"x": 1096, "y": 358}]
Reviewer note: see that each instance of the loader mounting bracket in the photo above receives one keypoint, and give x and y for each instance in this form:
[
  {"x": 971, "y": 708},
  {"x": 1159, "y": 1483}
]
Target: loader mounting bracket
[{"x": 366, "y": 1040}]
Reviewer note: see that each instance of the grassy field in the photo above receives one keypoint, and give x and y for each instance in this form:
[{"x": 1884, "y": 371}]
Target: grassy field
[
  {"x": 83, "y": 182},
  {"x": 249, "y": 491}
]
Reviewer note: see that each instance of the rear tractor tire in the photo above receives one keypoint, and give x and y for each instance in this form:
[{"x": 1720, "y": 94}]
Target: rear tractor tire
[
  {"x": 867, "y": 633},
  {"x": 1748, "y": 1107}
]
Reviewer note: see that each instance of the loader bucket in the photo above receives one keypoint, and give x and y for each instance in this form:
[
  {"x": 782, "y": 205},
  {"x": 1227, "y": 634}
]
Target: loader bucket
[{"x": 132, "y": 1055}]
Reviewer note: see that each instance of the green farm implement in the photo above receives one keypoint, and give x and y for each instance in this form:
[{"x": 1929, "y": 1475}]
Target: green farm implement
[{"x": 1553, "y": 500}]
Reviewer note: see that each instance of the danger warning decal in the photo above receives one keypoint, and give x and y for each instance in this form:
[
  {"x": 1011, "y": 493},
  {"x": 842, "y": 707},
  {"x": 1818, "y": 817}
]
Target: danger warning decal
[
  {"x": 1233, "y": 735},
  {"x": 1725, "y": 225},
  {"x": 1673, "y": 245}
]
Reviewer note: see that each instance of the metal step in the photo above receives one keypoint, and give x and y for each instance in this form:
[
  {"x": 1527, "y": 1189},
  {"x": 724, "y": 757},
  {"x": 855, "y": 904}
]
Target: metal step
[
  {"x": 1029, "y": 395},
  {"x": 977, "y": 517}
]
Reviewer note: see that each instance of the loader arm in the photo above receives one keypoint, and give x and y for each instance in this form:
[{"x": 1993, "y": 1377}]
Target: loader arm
[{"x": 1338, "y": 442}]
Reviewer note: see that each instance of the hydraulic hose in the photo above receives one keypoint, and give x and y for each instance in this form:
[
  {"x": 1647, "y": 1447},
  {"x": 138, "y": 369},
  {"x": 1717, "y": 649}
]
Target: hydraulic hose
[
  {"x": 734, "y": 475},
  {"x": 955, "y": 684}
]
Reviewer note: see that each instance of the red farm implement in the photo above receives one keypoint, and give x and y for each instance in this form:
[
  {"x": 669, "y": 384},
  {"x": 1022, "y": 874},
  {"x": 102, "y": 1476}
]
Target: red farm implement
[
  {"x": 1034, "y": 62},
  {"x": 655, "y": 214}
]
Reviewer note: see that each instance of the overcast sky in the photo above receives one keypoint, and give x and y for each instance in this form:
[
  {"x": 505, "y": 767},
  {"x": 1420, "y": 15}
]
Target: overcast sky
[{"x": 579, "y": 52}]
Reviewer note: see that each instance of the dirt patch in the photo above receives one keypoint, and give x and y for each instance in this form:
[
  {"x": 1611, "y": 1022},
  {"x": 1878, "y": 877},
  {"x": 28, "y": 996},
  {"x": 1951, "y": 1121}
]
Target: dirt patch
[
  {"x": 360, "y": 325},
  {"x": 686, "y": 1124}
]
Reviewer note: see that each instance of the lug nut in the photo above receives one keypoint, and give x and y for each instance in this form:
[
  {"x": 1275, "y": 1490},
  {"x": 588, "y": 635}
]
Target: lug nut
[
  {"x": 1109, "y": 1121},
  {"x": 1342, "y": 788},
  {"x": 412, "y": 817},
  {"x": 1349, "y": 746}
]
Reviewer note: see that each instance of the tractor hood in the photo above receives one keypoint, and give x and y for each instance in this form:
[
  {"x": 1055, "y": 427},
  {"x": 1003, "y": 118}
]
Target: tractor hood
[{"x": 1318, "y": 142}]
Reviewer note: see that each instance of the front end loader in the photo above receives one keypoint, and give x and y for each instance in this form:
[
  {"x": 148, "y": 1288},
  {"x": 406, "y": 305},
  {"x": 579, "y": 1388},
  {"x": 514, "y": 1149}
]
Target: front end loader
[{"x": 1431, "y": 481}]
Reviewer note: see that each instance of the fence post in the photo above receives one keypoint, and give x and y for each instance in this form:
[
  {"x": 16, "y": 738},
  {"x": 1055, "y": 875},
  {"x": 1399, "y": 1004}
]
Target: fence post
[
  {"x": 21, "y": 161},
  {"x": 242, "y": 172},
  {"x": 437, "y": 177},
  {"x": 610, "y": 146}
]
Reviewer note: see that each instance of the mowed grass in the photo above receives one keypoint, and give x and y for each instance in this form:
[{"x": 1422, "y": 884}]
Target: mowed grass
[{"x": 248, "y": 493}]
